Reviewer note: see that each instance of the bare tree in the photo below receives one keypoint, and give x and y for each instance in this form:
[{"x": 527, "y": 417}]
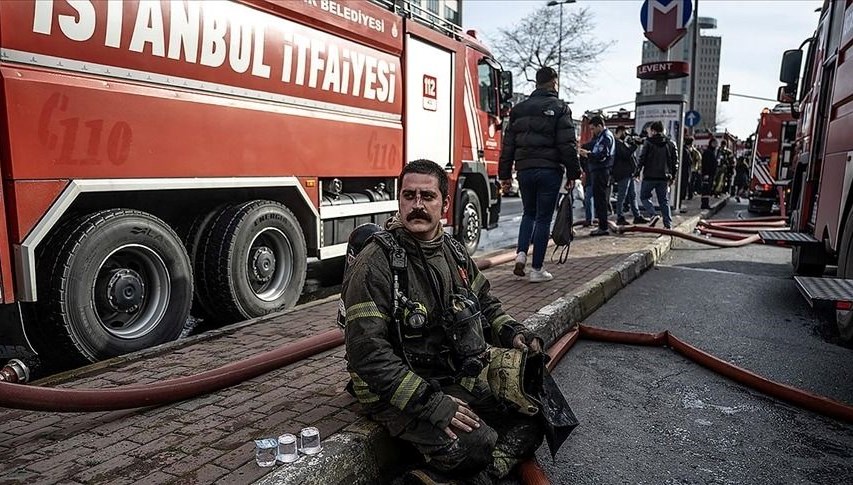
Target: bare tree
[{"x": 534, "y": 42}]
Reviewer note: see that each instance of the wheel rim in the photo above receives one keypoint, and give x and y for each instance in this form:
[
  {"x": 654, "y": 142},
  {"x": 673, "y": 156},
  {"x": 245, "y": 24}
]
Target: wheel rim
[
  {"x": 131, "y": 291},
  {"x": 268, "y": 260},
  {"x": 471, "y": 216}
]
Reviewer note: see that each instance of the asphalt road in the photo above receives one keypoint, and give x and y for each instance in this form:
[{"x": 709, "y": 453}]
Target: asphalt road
[{"x": 650, "y": 416}]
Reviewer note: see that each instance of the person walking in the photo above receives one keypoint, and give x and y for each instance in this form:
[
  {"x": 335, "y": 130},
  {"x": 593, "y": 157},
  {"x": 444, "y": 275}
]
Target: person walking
[
  {"x": 599, "y": 153},
  {"x": 727, "y": 165},
  {"x": 741, "y": 178},
  {"x": 686, "y": 171},
  {"x": 624, "y": 168},
  {"x": 709, "y": 171},
  {"x": 540, "y": 140},
  {"x": 659, "y": 164},
  {"x": 693, "y": 164},
  {"x": 421, "y": 381}
]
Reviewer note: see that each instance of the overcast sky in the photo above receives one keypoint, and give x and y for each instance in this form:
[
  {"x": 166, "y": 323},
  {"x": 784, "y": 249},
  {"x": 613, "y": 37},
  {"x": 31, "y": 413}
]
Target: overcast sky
[{"x": 754, "y": 35}]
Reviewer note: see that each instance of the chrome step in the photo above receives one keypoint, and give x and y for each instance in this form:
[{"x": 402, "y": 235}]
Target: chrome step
[
  {"x": 787, "y": 238},
  {"x": 833, "y": 291}
]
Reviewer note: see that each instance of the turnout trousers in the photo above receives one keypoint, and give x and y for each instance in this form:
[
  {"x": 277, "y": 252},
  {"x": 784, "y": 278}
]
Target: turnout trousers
[{"x": 504, "y": 438}]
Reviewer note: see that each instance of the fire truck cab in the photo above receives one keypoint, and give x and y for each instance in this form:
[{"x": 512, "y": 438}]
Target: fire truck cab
[{"x": 160, "y": 156}]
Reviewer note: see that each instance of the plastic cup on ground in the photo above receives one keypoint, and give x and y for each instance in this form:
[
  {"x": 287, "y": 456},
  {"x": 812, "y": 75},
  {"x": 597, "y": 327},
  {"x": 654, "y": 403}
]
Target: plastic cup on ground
[
  {"x": 287, "y": 449},
  {"x": 309, "y": 440},
  {"x": 266, "y": 451}
]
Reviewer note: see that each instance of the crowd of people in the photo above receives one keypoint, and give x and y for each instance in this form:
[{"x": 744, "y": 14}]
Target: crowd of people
[{"x": 540, "y": 144}]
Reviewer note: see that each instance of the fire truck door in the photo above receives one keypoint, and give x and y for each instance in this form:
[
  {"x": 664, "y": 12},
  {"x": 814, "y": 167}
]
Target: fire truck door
[
  {"x": 429, "y": 102},
  {"x": 489, "y": 111}
]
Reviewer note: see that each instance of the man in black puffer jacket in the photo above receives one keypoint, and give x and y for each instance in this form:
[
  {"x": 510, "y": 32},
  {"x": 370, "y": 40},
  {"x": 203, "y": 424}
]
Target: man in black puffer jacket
[
  {"x": 541, "y": 140},
  {"x": 659, "y": 163}
]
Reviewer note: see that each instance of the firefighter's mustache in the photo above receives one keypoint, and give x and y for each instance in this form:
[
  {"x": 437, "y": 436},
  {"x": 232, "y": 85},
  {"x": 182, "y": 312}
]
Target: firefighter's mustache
[{"x": 418, "y": 214}]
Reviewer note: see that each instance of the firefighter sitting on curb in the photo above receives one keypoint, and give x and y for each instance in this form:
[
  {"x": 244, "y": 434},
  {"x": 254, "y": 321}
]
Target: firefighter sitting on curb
[{"x": 418, "y": 361}]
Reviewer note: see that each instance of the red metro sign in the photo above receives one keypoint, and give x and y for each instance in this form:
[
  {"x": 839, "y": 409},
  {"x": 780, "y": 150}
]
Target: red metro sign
[
  {"x": 665, "y": 21},
  {"x": 663, "y": 70}
]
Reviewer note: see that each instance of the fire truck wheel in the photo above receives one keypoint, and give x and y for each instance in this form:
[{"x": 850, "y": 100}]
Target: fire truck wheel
[
  {"x": 253, "y": 261},
  {"x": 470, "y": 221},
  {"x": 798, "y": 257},
  {"x": 844, "y": 319},
  {"x": 191, "y": 232},
  {"x": 119, "y": 281}
]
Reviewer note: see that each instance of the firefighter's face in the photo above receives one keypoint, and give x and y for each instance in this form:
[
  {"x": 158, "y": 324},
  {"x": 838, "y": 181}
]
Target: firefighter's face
[{"x": 421, "y": 205}]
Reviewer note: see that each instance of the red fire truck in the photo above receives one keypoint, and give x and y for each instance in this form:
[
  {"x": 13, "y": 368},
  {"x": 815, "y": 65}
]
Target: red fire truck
[
  {"x": 771, "y": 157},
  {"x": 822, "y": 199},
  {"x": 158, "y": 155}
]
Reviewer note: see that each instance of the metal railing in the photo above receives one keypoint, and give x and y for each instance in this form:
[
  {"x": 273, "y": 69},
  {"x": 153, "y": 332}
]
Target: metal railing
[{"x": 413, "y": 10}]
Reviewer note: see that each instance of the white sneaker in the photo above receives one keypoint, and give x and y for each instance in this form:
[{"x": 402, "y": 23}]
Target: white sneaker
[
  {"x": 520, "y": 261},
  {"x": 540, "y": 275}
]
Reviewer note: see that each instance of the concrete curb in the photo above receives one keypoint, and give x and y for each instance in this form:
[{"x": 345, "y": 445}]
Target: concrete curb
[{"x": 363, "y": 452}]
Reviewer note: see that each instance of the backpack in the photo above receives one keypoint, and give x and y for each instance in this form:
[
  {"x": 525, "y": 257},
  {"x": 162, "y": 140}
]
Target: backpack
[{"x": 562, "y": 234}]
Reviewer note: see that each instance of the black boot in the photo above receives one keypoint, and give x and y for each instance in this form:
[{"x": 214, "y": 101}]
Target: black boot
[{"x": 423, "y": 476}]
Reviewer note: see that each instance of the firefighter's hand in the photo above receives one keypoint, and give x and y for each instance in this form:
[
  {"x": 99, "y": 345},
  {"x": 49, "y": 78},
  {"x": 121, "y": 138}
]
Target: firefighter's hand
[
  {"x": 506, "y": 186},
  {"x": 583, "y": 152},
  {"x": 534, "y": 344},
  {"x": 465, "y": 419}
]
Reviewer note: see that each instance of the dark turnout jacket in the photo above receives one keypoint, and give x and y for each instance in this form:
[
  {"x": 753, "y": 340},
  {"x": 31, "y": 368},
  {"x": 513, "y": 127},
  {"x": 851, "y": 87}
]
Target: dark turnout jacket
[
  {"x": 709, "y": 162},
  {"x": 379, "y": 372},
  {"x": 541, "y": 134},
  {"x": 658, "y": 158}
]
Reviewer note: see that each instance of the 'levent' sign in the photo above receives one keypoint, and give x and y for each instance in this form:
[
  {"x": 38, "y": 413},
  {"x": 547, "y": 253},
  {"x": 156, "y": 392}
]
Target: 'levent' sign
[{"x": 663, "y": 70}]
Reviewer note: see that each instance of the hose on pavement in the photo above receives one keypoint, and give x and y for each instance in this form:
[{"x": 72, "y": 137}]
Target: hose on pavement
[{"x": 798, "y": 397}]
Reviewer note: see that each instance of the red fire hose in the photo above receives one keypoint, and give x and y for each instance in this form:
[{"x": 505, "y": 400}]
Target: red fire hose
[
  {"x": 690, "y": 237},
  {"x": 532, "y": 473},
  {"x": 741, "y": 231},
  {"x": 743, "y": 223},
  {"x": 36, "y": 398},
  {"x": 735, "y": 236},
  {"x": 756, "y": 219},
  {"x": 804, "y": 399}
]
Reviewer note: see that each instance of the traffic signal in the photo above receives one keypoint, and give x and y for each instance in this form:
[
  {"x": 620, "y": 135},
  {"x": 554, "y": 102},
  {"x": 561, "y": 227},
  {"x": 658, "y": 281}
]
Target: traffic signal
[{"x": 725, "y": 96}]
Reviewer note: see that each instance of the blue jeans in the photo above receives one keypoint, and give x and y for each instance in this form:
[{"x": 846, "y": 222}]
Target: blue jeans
[
  {"x": 625, "y": 191},
  {"x": 659, "y": 186},
  {"x": 588, "y": 204},
  {"x": 539, "y": 189}
]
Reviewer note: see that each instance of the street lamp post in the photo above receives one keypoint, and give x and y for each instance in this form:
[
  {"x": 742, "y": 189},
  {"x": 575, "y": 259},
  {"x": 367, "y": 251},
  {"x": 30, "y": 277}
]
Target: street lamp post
[{"x": 554, "y": 3}]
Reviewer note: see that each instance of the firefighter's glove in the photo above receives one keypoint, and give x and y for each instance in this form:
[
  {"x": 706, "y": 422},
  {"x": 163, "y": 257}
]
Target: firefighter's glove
[
  {"x": 444, "y": 410},
  {"x": 528, "y": 341},
  {"x": 464, "y": 419}
]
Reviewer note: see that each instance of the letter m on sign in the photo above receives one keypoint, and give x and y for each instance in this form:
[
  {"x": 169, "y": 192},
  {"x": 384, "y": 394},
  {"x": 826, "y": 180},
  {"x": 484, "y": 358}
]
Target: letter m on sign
[{"x": 665, "y": 21}]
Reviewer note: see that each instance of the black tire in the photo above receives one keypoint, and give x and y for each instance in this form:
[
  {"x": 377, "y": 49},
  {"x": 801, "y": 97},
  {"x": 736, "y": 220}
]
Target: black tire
[
  {"x": 470, "y": 224},
  {"x": 191, "y": 232},
  {"x": 252, "y": 261},
  {"x": 798, "y": 258},
  {"x": 844, "y": 319},
  {"x": 143, "y": 287}
]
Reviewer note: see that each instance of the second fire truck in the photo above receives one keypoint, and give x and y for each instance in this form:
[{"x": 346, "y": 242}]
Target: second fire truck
[{"x": 771, "y": 157}]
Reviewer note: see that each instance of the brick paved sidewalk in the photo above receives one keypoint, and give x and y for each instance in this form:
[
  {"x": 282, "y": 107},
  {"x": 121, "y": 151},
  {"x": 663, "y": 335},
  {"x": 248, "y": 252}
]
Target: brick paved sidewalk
[{"x": 209, "y": 438}]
